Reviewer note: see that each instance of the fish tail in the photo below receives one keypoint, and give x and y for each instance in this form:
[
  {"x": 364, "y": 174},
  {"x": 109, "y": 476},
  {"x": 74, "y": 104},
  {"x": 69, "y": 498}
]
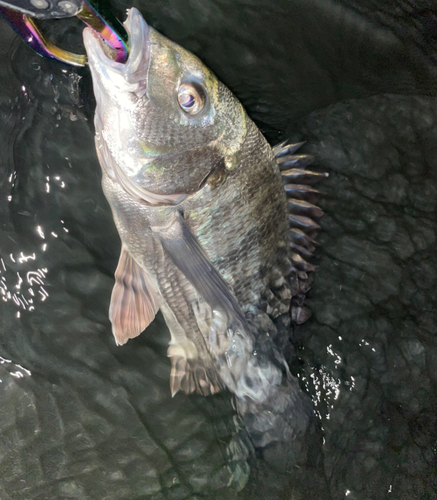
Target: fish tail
[{"x": 274, "y": 409}]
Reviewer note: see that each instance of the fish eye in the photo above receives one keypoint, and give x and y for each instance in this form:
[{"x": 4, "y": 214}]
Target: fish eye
[{"x": 191, "y": 98}]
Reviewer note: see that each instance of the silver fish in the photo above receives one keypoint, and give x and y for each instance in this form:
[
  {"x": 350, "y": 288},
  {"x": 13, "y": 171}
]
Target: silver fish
[{"x": 198, "y": 198}]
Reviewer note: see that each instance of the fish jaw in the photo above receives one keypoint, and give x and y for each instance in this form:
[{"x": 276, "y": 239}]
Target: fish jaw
[
  {"x": 111, "y": 78},
  {"x": 118, "y": 88}
]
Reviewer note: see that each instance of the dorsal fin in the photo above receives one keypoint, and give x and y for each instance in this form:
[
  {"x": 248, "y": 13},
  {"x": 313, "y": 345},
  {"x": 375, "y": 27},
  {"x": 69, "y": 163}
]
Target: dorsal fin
[
  {"x": 283, "y": 149},
  {"x": 295, "y": 161},
  {"x": 302, "y": 192},
  {"x": 303, "y": 216},
  {"x": 306, "y": 224},
  {"x": 133, "y": 302},
  {"x": 301, "y": 207},
  {"x": 300, "y": 176}
]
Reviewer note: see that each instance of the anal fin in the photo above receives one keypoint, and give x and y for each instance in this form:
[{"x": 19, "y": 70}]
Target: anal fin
[
  {"x": 191, "y": 374},
  {"x": 133, "y": 302}
]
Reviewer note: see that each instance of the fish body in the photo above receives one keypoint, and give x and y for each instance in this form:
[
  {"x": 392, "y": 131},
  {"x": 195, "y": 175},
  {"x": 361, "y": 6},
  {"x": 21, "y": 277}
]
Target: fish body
[{"x": 198, "y": 198}]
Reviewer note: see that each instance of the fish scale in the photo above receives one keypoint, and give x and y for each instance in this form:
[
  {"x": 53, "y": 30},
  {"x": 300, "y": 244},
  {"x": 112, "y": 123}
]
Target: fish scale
[{"x": 207, "y": 227}]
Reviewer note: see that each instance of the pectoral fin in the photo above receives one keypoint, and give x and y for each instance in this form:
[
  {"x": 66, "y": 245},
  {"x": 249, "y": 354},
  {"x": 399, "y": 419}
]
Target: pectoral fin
[
  {"x": 187, "y": 254},
  {"x": 133, "y": 302}
]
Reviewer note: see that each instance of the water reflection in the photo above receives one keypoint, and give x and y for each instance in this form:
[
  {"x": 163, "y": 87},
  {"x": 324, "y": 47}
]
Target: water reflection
[
  {"x": 14, "y": 369},
  {"x": 102, "y": 418},
  {"x": 21, "y": 282}
]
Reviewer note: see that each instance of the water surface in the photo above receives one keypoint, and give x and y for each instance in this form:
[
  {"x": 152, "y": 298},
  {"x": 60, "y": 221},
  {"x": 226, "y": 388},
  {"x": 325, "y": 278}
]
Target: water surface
[{"x": 83, "y": 419}]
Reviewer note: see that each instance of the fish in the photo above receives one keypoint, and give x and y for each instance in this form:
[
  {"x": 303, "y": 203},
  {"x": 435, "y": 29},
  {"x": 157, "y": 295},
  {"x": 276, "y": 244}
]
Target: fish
[{"x": 217, "y": 228}]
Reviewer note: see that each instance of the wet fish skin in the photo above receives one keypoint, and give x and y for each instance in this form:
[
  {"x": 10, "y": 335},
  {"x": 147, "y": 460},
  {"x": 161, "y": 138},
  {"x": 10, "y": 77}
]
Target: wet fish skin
[{"x": 200, "y": 207}]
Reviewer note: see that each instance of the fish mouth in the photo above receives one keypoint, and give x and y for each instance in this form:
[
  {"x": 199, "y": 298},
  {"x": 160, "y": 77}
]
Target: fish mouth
[
  {"x": 116, "y": 82},
  {"x": 130, "y": 76}
]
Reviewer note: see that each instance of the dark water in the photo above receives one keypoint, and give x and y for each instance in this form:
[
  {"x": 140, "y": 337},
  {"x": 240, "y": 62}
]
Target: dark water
[{"x": 82, "y": 419}]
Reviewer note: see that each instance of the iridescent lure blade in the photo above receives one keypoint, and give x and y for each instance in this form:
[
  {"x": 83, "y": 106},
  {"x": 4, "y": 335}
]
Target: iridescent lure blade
[{"x": 108, "y": 28}]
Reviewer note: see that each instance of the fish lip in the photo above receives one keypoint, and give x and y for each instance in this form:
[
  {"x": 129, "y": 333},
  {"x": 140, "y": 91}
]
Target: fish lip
[{"x": 131, "y": 75}]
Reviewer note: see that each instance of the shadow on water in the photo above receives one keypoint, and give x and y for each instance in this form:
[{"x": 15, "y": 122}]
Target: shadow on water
[{"x": 82, "y": 419}]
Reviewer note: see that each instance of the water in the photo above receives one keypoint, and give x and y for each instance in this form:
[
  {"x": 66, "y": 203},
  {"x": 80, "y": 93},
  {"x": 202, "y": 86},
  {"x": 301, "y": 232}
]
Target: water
[{"x": 83, "y": 419}]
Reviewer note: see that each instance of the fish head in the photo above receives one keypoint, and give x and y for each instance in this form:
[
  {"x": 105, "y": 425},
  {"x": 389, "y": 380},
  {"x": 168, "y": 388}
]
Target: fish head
[{"x": 164, "y": 122}]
